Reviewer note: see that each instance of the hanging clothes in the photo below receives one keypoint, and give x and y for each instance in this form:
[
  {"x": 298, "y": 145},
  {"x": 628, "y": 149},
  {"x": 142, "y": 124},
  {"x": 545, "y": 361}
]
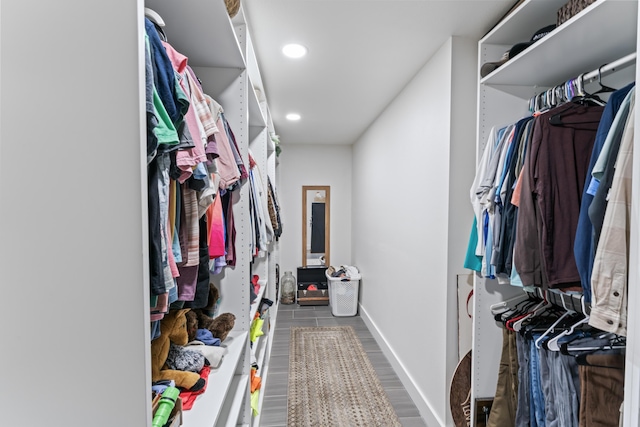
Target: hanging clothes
[
  {"x": 226, "y": 163},
  {"x": 609, "y": 279},
  {"x": 584, "y": 248},
  {"x": 274, "y": 210},
  {"x": 552, "y": 182},
  {"x": 187, "y": 133}
]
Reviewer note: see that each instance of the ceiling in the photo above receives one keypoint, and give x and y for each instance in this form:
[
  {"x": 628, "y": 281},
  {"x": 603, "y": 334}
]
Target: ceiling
[{"x": 361, "y": 53}]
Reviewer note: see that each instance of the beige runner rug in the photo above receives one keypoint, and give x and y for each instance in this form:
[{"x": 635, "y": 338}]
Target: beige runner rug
[{"x": 332, "y": 382}]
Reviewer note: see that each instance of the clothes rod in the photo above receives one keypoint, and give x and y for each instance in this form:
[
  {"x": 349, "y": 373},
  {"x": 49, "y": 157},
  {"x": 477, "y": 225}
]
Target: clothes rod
[{"x": 609, "y": 68}]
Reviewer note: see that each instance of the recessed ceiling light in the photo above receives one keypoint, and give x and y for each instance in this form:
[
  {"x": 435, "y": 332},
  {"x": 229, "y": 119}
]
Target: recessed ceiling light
[
  {"x": 294, "y": 50},
  {"x": 293, "y": 116}
]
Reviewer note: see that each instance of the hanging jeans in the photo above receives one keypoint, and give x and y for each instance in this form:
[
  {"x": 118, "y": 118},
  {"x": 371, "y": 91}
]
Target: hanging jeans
[{"x": 537, "y": 415}]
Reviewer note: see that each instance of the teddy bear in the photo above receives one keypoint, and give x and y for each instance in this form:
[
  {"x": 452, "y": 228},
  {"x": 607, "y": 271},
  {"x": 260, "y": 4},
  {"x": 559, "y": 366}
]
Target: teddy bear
[
  {"x": 220, "y": 326},
  {"x": 173, "y": 329}
]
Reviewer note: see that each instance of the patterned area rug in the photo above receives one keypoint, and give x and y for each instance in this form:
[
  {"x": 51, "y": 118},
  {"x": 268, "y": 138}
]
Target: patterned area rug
[{"x": 332, "y": 382}]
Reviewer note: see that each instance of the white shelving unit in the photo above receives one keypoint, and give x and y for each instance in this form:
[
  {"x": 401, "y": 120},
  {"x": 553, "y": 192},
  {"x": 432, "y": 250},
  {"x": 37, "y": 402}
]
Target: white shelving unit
[
  {"x": 236, "y": 402},
  {"x": 604, "y": 32},
  {"x": 220, "y": 52},
  {"x": 223, "y": 382}
]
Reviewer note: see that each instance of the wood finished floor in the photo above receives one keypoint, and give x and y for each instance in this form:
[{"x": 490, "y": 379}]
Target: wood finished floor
[{"x": 274, "y": 407}]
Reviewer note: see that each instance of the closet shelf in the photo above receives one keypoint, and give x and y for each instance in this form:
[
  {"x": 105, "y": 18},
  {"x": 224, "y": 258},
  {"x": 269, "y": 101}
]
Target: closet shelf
[
  {"x": 259, "y": 348},
  {"x": 191, "y": 27},
  {"x": 254, "y": 306},
  {"x": 232, "y": 411},
  {"x": 208, "y": 406},
  {"x": 256, "y": 117},
  {"x": 605, "y": 31},
  {"x": 526, "y": 19},
  {"x": 271, "y": 146}
]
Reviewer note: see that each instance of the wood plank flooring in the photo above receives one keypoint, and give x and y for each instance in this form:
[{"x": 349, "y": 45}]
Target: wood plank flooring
[{"x": 274, "y": 407}]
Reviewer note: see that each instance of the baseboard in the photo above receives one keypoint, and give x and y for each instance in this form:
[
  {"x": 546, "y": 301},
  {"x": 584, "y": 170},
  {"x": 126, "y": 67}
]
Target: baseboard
[{"x": 425, "y": 409}]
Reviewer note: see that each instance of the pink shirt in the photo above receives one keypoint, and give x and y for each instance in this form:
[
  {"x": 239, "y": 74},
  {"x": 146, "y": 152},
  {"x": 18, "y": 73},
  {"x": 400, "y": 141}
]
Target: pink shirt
[{"x": 188, "y": 159}]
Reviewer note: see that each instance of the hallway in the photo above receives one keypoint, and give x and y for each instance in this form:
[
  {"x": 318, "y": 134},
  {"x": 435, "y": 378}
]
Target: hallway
[{"x": 274, "y": 408}]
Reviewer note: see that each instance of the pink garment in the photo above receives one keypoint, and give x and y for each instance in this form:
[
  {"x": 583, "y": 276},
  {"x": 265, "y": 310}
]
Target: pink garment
[
  {"x": 231, "y": 235},
  {"x": 216, "y": 235},
  {"x": 227, "y": 166},
  {"x": 188, "y": 159},
  {"x": 200, "y": 103},
  {"x": 162, "y": 307},
  {"x": 226, "y": 162}
]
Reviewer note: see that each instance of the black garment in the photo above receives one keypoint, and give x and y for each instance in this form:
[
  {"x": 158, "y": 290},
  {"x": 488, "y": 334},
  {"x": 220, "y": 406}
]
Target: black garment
[
  {"x": 201, "y": 298},
  {"x": 156, "y": 275}
]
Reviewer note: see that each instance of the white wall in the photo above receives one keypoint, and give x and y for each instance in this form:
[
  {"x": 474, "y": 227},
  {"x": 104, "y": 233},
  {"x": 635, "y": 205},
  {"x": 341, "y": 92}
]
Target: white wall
[
  {"x": 314, "y": 165},
  {"x": 461, "y": 172},
  {"x": 404, "y": 168},
  {"x": 75, "y": 326}
]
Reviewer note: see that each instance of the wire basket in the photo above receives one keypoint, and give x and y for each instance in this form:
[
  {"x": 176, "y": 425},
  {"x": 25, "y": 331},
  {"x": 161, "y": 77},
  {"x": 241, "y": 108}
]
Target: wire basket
[
  {"x": 570, "y": 9},
  {"x": 233, "y": 6}
]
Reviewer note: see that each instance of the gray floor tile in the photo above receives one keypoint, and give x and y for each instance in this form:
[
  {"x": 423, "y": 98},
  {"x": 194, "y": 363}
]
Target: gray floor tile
[
  {"x": 325, "y": 309},
  {"x": 279, "y": 349},
  {"x": 378, "y": 359},
  {"x": 357, "y": 324},
  {"x": 388, "y": 378},
  {"x": 284, "y": 315},
  {"x": 279, "y": 364},
  {"x": 288, "y": 323},
  {"x": 311, "y": 314},
  {"x": 369, "y": 344},
  {"x": 274, "y": 411},
  {"x": 412, "y": 422},
  {"x": 402, "y": 403},
  {"x": 277, "y": 383}
]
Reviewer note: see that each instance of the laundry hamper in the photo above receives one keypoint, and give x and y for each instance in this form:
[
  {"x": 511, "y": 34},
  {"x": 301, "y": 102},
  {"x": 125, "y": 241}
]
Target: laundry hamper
[{"x": 343, "y": 295}]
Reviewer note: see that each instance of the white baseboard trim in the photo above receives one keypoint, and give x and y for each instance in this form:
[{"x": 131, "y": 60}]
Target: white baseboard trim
[{"x": 421, "y": 402}]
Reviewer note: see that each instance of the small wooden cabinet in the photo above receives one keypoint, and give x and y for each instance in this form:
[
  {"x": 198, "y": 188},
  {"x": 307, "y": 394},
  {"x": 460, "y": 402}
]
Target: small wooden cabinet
[{"x": 312, "y": 276}]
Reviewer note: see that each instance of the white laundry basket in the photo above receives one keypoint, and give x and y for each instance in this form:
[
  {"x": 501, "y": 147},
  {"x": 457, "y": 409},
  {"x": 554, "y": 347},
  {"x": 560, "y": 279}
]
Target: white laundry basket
[{"x": 343, "y": 295}]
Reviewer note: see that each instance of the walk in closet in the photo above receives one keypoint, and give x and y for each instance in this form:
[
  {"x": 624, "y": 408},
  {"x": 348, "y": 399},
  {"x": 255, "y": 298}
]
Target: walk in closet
[
  {"x": 596, "y": 44},
  {"x": 219, "y": 50}
]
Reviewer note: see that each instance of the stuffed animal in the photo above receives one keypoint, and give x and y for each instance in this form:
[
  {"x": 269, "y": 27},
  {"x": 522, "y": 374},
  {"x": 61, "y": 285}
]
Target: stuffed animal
[
  {"x": 185, "y": 359},
  {"x": 173, "y": 329},
  {"x": 219, "y": 325},
  {"x": 192, "y": 324},
  {"x": 212, "y": 299}
]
